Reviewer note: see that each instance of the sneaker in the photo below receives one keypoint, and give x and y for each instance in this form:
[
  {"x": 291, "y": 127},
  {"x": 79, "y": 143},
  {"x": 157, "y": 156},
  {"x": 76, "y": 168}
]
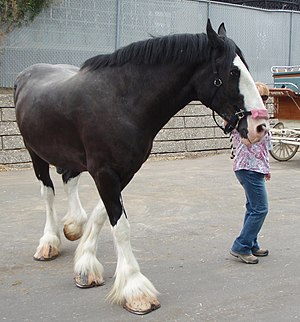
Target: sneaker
[
  {"x": 248, "y": 259},
  {"x": 260, "y": 252}
]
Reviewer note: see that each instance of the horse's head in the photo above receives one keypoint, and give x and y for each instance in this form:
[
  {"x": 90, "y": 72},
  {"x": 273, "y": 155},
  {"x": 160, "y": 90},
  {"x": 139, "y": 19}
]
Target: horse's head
[{"x": 230, "y": 89}]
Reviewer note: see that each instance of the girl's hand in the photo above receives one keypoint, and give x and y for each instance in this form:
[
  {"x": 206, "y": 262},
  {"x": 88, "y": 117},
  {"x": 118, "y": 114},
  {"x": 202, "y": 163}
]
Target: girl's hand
[{"x": 268, "y": 176}]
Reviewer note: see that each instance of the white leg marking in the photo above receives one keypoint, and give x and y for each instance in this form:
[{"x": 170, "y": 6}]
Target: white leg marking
[
  {"x": 76, "y": 217},
  {"x": 88, "y": 270},
  {"x": 131, "y": 287},
  {"x": 50, "y": 242}
]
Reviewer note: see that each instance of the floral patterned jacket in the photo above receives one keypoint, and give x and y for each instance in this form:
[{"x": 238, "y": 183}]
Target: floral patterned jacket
[{"x": 254, "y": 157}]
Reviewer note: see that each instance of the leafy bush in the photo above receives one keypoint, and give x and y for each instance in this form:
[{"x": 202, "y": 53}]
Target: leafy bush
[{"x": 17, "y": 12}]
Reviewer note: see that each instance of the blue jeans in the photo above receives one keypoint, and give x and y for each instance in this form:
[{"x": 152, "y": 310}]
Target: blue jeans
[{"x": 256, "y": 210}]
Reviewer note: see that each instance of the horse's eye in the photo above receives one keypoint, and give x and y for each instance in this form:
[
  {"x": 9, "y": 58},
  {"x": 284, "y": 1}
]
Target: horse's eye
[{"x": 235, "y": 73}]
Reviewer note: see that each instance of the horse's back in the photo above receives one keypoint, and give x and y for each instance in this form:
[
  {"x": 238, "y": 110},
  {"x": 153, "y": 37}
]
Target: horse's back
[
  {"x": 41, "y": 75},
  {"x": 37, "y": 80},
  {"x": 50, "y": 70}
]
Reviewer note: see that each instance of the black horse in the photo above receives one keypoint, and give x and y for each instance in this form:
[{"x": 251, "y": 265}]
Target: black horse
[{"x": 103, "y": 117}]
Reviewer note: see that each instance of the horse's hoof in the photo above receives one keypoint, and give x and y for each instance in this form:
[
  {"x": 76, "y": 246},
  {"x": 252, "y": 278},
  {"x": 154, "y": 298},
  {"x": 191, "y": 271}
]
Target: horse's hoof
[
  {"x": 46, "y": 253},
  {"x": 45, "y": 259},
  {"x": 142, "y": 307},
  {"x": 85, "y": 281},
  {"x": 71, "y": 236}
]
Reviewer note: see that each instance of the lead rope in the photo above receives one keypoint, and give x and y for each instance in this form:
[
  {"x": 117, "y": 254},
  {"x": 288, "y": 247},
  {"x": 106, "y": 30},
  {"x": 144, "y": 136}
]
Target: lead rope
[
  {"x": 218, "y": 125},
  {"x": 232, "y": 147}
]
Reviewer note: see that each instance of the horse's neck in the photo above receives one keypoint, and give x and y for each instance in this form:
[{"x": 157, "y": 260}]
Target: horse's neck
[{"x": 163, "y": 92}]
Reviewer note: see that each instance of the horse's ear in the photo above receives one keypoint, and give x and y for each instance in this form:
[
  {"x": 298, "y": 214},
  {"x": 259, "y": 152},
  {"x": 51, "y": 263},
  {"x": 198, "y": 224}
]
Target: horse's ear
[
  {"x": 222, "y": 30},
  {"x": 213, "y": 38}
]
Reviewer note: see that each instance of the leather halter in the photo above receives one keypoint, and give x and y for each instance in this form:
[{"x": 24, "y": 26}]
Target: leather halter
[{"x": 234, "y": 120}]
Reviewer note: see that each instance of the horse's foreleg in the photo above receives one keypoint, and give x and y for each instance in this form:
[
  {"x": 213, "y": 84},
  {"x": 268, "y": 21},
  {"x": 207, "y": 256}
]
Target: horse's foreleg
[
  {"x": 88, "y": 270},
  {"x": 49, "y": 245},
  {"x": 131, "y": 288},
  {"x": 76, "y": 217}
]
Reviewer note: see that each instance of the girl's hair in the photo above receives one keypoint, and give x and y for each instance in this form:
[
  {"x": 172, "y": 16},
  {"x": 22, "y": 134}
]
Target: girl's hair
[{"x": 262, "y": 88}]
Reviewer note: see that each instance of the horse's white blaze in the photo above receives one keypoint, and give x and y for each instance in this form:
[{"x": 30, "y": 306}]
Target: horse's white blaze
[
  {"x": 130, "y": 284},
  {"x": 76, "y": 217},
  {"x": 252, "y": 101},
  {"x": 247, "y": 87},
  {"x": 50, "y": 241},
  {"x": 86, "y": 262}
]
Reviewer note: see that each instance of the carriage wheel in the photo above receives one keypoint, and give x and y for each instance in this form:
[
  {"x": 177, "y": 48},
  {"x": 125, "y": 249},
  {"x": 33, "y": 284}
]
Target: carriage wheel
[{"x": 283, "y": 151}]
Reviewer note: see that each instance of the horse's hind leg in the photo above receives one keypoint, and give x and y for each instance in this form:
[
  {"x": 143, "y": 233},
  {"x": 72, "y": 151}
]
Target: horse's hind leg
[
  {"x": 49, "y": 245},
  {"x": 88, "y": 270},
  {"x": 76, "y": 217}
]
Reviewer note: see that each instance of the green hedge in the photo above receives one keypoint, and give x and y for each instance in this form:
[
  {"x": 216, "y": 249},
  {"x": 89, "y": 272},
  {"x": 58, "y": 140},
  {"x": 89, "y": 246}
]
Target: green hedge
[{"x": 17, "y": 12}]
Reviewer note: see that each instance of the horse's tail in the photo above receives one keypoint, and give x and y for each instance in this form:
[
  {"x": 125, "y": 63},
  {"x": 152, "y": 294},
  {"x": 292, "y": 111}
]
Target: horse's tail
[
  {"x": 22, "y": 81},
  {"x": 17, "y": 87},
  {"x": 14, "y": 93}
]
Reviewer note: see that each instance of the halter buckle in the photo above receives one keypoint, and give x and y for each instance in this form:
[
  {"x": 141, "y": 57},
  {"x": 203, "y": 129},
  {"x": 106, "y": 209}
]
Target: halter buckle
[
  {"x": 218, "y": 82},
  {"x": 240, "y": 114}
]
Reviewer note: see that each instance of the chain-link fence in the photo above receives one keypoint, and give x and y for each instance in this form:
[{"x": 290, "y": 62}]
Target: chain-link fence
[
  {"x": 70, "y": 31},
  {"x": 268, "y": 4}
]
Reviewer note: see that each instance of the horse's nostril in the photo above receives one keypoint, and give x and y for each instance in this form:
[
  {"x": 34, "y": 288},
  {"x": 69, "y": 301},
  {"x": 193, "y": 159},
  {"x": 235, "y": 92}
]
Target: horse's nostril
[{"x": 261, "y": 128}]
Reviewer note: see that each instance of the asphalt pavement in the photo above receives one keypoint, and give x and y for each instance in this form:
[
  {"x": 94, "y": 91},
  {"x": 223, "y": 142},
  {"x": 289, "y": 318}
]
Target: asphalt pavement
[{"x": 184, "y": 215}]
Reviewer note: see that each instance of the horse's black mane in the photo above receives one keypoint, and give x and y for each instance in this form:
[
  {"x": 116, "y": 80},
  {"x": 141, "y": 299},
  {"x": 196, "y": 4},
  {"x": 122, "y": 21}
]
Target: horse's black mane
[{"x": 178, "y": 48}]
